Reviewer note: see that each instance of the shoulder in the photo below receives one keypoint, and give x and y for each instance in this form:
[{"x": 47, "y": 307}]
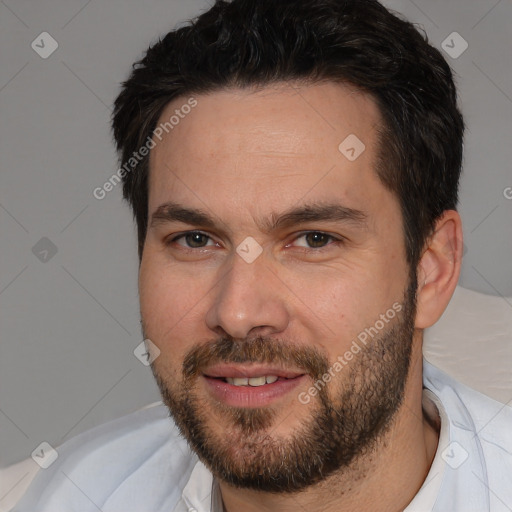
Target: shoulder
[
  {"x": 469, "y": 409},
  {"x": 482, "y": 427},
  {"x": 139, "y": 460}
]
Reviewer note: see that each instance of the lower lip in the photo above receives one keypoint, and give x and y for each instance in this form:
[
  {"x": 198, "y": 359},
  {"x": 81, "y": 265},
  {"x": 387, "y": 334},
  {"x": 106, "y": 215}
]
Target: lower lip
[{"x": 251, "y": 396}]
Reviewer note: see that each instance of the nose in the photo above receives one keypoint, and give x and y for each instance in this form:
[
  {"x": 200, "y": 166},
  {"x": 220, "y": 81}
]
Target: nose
[{"x": 248, "y": 301}]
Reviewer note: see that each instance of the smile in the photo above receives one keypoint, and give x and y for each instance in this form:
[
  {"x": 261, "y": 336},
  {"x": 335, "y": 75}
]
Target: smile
[
  {"x": 250, "y": 386},
  {"x": 253, "y": 381}
]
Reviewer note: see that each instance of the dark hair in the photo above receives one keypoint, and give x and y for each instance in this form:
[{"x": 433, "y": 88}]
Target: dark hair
[{"x": 245, "y": 43}]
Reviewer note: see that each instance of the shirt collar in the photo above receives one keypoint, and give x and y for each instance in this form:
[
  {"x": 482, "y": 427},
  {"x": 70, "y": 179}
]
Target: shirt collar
[
  {"x": 426, "y": 497},
  {"x": 202, "y": 493}
]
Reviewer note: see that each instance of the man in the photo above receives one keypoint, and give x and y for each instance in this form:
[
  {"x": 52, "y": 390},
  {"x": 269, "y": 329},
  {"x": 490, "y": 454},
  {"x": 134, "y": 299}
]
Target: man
[{"x": 293, "y": 169}]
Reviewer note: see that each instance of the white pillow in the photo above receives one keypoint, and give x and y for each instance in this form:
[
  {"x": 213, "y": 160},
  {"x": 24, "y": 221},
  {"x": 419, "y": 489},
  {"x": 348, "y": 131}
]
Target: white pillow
[{"x": 472, "y": 342}]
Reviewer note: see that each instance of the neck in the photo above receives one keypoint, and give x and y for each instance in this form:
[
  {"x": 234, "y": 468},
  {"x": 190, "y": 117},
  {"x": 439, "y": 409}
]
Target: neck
[{"x": 385, "y": 479}]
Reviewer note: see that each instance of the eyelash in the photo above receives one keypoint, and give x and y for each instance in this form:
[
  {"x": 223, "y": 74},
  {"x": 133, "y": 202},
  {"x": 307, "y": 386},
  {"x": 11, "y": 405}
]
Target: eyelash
[{"x": 333, "y": 240}]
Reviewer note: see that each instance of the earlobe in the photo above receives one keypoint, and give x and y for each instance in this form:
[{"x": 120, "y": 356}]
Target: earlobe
[{"x": 439, "y": 269}]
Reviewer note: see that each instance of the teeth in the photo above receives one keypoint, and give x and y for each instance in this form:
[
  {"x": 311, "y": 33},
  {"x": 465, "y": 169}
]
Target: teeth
[
  {"x": 253, "y": 381},
  {"x": 257, "y": 381}
]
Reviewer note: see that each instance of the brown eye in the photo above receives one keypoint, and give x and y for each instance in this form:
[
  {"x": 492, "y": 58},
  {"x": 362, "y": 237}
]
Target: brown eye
[
  {"x": 193, "y": 240},
  {"x": 317, "y": 239},
  {"x": 196, "y": 239}
]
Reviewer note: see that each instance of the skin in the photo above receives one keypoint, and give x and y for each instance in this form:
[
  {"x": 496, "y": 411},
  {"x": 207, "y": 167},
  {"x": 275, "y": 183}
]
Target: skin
[{"x": 242, "y": 156}]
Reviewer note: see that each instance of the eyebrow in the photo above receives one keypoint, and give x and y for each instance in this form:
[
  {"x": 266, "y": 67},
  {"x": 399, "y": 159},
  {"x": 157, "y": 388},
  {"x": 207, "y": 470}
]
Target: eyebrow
[{"x": 316, "y": 212}]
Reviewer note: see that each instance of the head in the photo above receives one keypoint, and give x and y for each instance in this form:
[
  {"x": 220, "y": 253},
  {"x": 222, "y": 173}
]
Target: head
[{"x": 264, "y": 96}]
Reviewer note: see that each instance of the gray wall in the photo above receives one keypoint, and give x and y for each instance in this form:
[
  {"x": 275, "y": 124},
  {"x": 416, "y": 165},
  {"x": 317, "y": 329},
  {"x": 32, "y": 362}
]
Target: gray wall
[{"x": 70, "y": 319}]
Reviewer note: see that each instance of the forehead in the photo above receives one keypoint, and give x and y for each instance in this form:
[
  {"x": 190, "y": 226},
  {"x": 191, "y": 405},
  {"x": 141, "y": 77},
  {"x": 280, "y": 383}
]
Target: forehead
[{"x": 279, "y": 143}]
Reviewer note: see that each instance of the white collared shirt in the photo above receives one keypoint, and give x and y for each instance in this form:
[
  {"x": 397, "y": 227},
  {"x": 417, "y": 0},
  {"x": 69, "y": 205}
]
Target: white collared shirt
[{"x": 140, "y": 463}]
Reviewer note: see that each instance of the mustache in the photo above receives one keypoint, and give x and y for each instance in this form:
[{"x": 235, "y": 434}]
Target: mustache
[{"x": 254, "y": 350}]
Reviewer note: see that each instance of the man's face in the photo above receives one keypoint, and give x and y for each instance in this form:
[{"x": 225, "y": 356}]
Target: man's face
[{"x": 271, "y": 249}]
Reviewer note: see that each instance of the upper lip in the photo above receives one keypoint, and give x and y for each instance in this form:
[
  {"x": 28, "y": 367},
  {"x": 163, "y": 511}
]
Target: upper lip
[{"x": 253, "y": 370}]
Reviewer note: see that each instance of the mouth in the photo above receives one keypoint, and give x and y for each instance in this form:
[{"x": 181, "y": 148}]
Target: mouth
[
  {"x": 250, "y": 386},
  {"x": 250, "y": 381}
]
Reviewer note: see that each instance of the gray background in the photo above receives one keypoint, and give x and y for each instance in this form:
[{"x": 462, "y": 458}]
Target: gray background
[{"x": 70, "y": 323}]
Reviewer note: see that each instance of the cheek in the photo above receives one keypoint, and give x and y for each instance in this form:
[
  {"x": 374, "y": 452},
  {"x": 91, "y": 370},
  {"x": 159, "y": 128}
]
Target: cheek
[
  {"x": 153, "y": 293},
  {"x": 168, "y": 300},
  {"x": 170, "y": 319},
  {"x": 331, "y": 307},
  {"x": 346, "y": 305}
]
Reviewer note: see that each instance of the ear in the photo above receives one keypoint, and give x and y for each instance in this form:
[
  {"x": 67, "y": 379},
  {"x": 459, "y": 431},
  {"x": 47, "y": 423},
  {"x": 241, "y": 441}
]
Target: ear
[{"x": 439, "y": 269}]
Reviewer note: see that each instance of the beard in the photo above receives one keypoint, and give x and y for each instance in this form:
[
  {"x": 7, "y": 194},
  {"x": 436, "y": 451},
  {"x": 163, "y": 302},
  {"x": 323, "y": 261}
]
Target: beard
[{"x": 345, "y": 423}]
